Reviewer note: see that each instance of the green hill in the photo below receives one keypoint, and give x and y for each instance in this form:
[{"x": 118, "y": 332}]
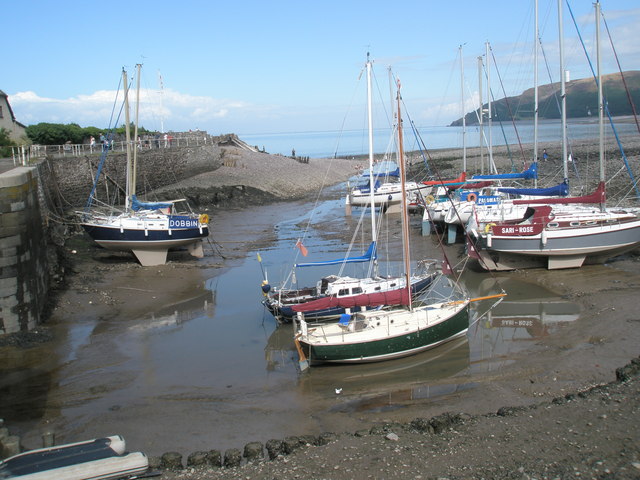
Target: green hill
[{"x": 582, "y": 100}]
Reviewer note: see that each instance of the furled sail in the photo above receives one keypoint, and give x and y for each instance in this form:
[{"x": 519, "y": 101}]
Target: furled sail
[
  {"x": 528, "y": 174},
  {"x": 371, "y": 254}
]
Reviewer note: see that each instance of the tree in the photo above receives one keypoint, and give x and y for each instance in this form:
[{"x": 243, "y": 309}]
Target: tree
[{"x": 5, "y": 143}]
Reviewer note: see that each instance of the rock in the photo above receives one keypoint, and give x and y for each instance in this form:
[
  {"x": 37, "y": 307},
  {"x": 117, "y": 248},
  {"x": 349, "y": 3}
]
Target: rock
[
  {"x": 171, "y": 461},
  {"x": 155, "y": 463},
  {"x": 253, "y": 451},
  {"x": 291, "y": 444},
  {"x": 214, "y": 458},
  {"x": 326, "y": 438},
  {"x": 445, "y": 421},
  {"x": 392, "y": 436},
  {"x": 309, "y": 440},
  {"x": 274, "y": 448},
  {"x": 198, "y": 459},
  {"x": 232, "y": 458},
  {"x": 421, "y": 425}
]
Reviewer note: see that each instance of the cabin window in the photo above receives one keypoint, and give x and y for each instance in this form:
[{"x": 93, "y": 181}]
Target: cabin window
[
  {"x": 574, "y": 224},
  {"x": 553, "y": 225},
  {"x": 378, "y": 288},
  {"x": 393, "y": 285},
  {"x": 343, "y": 291},
  {"x": 356, "y": 290}
]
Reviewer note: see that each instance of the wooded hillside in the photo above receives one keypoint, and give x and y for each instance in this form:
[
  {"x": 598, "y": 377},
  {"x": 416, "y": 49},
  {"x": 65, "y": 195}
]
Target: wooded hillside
[{"x": 582, "y": 100}]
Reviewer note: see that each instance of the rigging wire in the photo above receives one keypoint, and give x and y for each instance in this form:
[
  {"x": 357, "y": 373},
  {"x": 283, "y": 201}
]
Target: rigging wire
[
  {"x": 626, "y": 88},
  {"x": 506, "y": 100},
  {"x": 606, "y": 107}
]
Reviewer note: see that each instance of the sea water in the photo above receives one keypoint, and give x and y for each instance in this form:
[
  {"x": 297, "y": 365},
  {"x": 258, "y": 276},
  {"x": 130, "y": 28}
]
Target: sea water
[{"x": 328, "y": 144}]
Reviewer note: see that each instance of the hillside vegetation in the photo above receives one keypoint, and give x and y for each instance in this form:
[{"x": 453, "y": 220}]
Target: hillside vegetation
[{"x": 582, "y": 100}]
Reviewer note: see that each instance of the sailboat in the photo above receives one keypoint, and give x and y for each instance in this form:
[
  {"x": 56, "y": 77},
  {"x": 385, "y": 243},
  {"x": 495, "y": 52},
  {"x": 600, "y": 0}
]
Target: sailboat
[
  {"x": 425, "y": 321},
  {"x": 333, "y": 295},
  {"x": 385, "y": 191},
  {"x": 560, "y": 238},
  {"x": 147, "y": 229},
  {"x": 381, "y": 187}
]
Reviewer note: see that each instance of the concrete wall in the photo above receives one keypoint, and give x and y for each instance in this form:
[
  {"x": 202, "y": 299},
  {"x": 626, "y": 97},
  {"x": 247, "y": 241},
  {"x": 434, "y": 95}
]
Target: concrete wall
[{"x": 24, "y": 278}]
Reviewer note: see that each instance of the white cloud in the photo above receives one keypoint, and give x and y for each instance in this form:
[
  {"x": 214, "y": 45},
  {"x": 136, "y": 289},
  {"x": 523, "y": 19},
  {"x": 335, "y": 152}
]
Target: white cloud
[{"x": 171, "y": 109}]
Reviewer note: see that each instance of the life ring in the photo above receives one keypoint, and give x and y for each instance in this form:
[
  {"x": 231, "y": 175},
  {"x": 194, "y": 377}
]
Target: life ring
[
  {"x": 472, "y": 197},
  {"x": 204, "y": 218},
  {"x": 430, "y": 199},
  {"x": 488, "y": 227}
]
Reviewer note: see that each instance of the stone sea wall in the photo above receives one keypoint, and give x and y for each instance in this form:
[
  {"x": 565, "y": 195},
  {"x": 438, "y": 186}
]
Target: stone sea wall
[
  {"x": 69, "y": 179},
  {"x": 24, "y": 279}
]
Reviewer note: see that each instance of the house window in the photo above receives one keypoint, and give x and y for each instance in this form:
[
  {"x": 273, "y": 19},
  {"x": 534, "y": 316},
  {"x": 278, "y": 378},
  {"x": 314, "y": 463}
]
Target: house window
[{"x": 1, "y": 116}]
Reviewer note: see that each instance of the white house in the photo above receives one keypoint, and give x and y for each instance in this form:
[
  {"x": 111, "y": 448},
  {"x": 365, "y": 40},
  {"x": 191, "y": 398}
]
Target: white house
[{"x": 8, "y": 120}]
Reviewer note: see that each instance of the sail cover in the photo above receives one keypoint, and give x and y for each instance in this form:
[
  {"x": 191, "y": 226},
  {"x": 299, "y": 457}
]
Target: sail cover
[
  {"x": 528, "y": 174},
  {"x": 138, "y": 205},
  {"x": 560, "y": 190},
  {"x": 598, "y": 196},
  {"x": 371, "y": 254},
  {"x": 384, "y": 169}
]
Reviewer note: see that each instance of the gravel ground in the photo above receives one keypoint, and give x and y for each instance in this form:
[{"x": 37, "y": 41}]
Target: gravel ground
[{"x": 589, "y": 434}]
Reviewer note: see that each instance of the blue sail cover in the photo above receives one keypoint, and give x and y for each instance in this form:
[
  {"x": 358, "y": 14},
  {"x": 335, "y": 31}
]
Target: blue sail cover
[
  {"x": 560, "y": 190},
  {"x": 529, "y": 174},
  {"x": 138, "y": 205},
  {"x": 384, "y": 169},
  {"x": 372, "y": 253},
  {"x": 364, "y": 187}
]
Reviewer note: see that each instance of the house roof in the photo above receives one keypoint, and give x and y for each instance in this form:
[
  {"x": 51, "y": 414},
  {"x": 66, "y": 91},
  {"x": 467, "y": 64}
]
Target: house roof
[{"x": 13, "y": 117}]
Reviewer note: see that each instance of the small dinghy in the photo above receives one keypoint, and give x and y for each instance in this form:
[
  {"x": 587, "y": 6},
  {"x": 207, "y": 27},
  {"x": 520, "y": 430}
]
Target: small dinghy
[{"x": 98, "y": 459}]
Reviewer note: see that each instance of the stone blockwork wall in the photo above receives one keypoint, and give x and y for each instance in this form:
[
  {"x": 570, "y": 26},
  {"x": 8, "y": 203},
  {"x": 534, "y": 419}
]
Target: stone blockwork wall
[
  {"x": 71, "y": 178},
  {"x": 24, "y": 278}
]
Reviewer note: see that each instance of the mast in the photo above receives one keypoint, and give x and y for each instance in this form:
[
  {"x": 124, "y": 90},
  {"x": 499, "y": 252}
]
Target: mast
[
  {"x": 405, "y": 213},
  {"x": 480, "y": 117},
  {"x": 134, "y": 168},
  {"x": 125, "y": 81},
  {"x": 464, "y": 120},
  {"x": 490, "y": 147},
  {"x": 371, "y": 177},
  {"x": 600, "y": 99},
  {"x": 161, "y": 102},
  {"x": 535, "y": 88},
  {"x": 563, "y": 95}
]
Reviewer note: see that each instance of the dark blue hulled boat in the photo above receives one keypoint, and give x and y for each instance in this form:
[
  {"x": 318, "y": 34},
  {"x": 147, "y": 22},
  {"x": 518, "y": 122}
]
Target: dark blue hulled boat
[{"x": 148, "y": 229}]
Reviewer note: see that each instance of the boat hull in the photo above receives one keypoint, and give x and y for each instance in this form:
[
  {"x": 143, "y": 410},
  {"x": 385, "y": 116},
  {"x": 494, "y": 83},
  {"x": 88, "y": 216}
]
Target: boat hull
[
  {"x": 285, "y": 313},
  {"x": 556, "y": 249},
  {"x": 421, "y": 336},
  {"x": 387, "y": 195},
  {"x": 148, "y": 237},
  {"x": 115, "y": 238}
]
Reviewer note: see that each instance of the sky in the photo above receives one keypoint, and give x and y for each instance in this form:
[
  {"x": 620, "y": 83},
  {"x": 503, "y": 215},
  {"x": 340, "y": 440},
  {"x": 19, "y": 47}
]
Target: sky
[{"x": 258, "y": 67}]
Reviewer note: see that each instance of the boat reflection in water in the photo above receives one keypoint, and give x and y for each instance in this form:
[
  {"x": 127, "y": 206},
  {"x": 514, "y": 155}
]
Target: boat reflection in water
[
  {"x": 374, "y": 386},
  {"x": 528, "y": 313},
  {"x": 201, "y": 305}
]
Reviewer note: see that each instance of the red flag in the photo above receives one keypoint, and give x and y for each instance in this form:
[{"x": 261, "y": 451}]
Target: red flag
[
  {"x": 446, "y": 268},
  {"x": 302, "y": 248}
]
